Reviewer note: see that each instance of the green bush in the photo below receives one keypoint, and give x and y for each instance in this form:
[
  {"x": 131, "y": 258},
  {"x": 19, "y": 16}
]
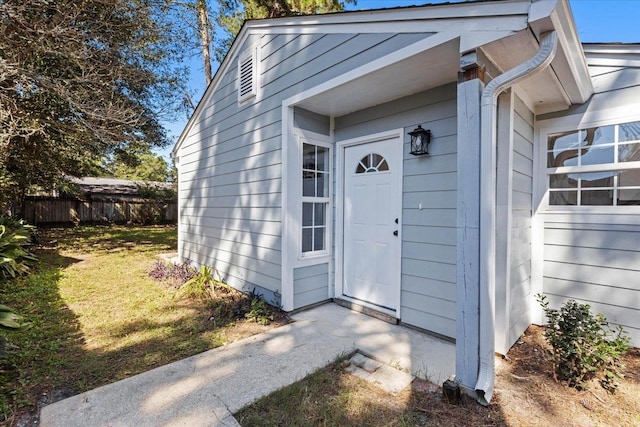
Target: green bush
[
  {"x": 15, "y": 237},
  {"x": 259, "y": 312},
  {"x": 203, "y": 285},
  {"x": 153, "y": 211},
  {"x": 584, "y": 346}
]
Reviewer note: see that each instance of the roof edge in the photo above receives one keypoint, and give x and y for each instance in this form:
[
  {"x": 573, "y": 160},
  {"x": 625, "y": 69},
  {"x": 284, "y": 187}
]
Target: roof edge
[
  {"x": 556, "y": 15},
  {"x": 467, "y": 9}
]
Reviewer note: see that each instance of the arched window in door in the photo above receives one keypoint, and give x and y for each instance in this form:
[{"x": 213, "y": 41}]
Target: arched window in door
[{"x": 372, "y": 162}]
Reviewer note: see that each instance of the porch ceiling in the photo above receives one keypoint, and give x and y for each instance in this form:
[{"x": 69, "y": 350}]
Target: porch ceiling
[{"x": 431, "y": 68}]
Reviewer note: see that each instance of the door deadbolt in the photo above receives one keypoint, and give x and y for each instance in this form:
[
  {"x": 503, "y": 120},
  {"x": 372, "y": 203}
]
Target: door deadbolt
[{"x": 395, "y": 233}]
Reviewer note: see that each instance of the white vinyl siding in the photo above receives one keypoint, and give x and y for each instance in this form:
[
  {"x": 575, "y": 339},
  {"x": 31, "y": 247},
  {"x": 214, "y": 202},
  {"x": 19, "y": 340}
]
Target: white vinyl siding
[
  {"x": 520, "y": 294},
  {"x": 310, "y": 285},
  {"x": 428, "y": 280},
  {"x": 595, "y": 262},
  {"x": 591, "y": 253},
  {"x": 231, "y": 160}
]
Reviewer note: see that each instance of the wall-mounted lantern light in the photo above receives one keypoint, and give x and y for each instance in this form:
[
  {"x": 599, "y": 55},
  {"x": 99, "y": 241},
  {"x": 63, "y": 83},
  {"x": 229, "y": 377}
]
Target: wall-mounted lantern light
[{"x": 420, "y": 139}]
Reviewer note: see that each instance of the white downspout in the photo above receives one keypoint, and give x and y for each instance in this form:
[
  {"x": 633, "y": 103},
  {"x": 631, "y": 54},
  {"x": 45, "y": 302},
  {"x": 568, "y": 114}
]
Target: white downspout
[{"x": 488, "y": 104}]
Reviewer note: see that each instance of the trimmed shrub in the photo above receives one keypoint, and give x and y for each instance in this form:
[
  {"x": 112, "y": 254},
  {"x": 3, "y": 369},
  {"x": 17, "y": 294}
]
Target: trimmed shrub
[{"x": 584, "y": 346}]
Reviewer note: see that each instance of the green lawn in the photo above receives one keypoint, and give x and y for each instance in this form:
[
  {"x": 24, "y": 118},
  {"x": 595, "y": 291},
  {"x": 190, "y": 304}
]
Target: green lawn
[{"x": 96, "y": 316}]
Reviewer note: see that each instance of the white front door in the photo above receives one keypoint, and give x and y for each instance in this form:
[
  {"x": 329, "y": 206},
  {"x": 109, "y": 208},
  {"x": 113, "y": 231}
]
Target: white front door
[{"x": 372, "y": 209}]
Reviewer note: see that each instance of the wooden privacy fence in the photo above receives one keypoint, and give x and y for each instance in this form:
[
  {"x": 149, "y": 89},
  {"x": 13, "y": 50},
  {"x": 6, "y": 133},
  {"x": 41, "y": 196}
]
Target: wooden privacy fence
[{"x": 52, "y": 210}]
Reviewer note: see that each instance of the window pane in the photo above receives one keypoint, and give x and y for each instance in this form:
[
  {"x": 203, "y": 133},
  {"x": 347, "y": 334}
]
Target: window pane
[
  {"x": 596, "y": 198},
  {"x": 556, "y": 159},
  {"x": 629, "y": 178},
  {"x": 319, "y": 209},
  {"x": 629, "y": 152},
  {"x": 322, "y": 189},
  {"x": 563, "y": 141},
  {"x": 318, "y": 239},
  {"x": 563, "y": 181},
  {"x": 307, "y": 214},
  {"x": 360, "y": 168},
  {"x": 597, "y": 179},
  {"x": 597, "y": 156},
  {"x": 383, "y": 166},
  {"x": 563, "y": 198},
  {"x": 308, "y": 156},
  {"x": 307, "y": 236},
  {"x": 599, "y": 136},
  {"x": 322, "y": 159},
  {"x": 377, "y": 159},
  {"x": 629, "y": 132},
  {"x": 629, "y": 197},
  {"x": 365, "y": 161},
  {"x": 308, "y": 183}
]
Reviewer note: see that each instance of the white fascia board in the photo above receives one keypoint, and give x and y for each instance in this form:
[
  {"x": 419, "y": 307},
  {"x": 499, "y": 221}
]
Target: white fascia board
[
  {"x": 615, "y": 62},
  {"x": 413, "y": 13},
  {"x": 556, "y": 15},
  {"x": 500, "y": 23},
  {"x": 611, "y": 48}
]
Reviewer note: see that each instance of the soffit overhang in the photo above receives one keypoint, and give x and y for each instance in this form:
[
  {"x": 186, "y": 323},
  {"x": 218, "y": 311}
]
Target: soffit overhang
[
  {"x": 425, "y": 70},
  {"x": 566, "y": 81}
]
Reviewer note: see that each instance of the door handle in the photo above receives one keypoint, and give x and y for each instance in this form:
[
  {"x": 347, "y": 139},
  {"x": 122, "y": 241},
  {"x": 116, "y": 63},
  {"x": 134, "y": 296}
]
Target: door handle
[{"x": 395, "y": 233}]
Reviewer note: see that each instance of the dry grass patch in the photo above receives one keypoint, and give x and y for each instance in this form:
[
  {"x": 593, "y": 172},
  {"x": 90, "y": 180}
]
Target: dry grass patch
[
  {"x": 531, "y": 396},
  {"x": 97, "y": 317},
  {"x": 526, "y": 395},
  {"x": 334, "y": 397}
]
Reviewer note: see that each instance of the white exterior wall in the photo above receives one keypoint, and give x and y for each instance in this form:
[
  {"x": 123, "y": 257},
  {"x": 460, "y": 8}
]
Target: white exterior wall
[
  {"x": 428, "y": 281},
  {"x": 231, "y": 159},
  {"x": 591, "y": 254},
  {"x": 521, "y": 209}
]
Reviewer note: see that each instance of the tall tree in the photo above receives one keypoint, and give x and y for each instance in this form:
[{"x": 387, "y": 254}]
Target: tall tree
[
  {"x": 205, "y": 36},
  {"x": 232, "y": 14},
  {"x": 81, "y": 79},
  {"x": 146, "y": 167}
]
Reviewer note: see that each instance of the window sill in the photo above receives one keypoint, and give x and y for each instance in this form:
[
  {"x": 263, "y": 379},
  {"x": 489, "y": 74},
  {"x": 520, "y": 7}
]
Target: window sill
[{"x": 312, "y": 259}]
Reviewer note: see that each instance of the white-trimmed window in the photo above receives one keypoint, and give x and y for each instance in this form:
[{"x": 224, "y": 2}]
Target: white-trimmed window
[
  {"x": 316, "y": 181},
  {"x": 247, "y": 75},
  {"x": 598, "y": 166}
]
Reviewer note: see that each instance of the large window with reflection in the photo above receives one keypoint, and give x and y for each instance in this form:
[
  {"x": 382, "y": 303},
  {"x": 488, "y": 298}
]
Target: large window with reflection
[
  {"x": 598, "y": 166},
  {"x": 315, "y": 198}
]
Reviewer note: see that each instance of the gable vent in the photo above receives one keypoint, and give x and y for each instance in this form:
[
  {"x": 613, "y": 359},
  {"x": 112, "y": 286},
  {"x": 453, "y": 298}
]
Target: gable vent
[{"x": 247, "y": 81}]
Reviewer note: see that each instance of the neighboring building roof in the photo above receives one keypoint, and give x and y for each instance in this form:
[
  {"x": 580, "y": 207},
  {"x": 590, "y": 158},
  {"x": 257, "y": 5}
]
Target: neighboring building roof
[{"x": 114, "y": 186}]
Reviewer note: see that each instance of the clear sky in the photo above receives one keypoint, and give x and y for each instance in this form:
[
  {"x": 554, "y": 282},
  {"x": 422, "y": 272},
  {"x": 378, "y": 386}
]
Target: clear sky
[{"x": 596, "y": 20}]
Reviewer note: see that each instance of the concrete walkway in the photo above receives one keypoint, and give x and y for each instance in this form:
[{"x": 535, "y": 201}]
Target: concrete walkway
[{"x": 206, "y": 389}]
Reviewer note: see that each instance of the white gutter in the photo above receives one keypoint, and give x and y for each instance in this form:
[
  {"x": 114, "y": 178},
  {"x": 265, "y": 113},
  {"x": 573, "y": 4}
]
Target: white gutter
[{"x": 488, "y": 105}]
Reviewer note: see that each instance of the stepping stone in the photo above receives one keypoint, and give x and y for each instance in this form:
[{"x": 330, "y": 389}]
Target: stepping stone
[{"x": 389, "y": 379}]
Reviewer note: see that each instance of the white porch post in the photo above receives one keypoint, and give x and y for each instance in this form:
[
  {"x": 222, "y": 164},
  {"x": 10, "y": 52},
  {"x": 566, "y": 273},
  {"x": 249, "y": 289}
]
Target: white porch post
[{"x": 468, "y": 232}]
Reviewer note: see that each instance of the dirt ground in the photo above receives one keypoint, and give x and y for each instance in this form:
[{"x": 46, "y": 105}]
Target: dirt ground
[{"x": 528, "y": 395}]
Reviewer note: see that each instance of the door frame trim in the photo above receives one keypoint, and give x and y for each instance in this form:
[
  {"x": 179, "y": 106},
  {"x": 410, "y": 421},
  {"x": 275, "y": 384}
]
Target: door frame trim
[{"x": 339, "y": 204}]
